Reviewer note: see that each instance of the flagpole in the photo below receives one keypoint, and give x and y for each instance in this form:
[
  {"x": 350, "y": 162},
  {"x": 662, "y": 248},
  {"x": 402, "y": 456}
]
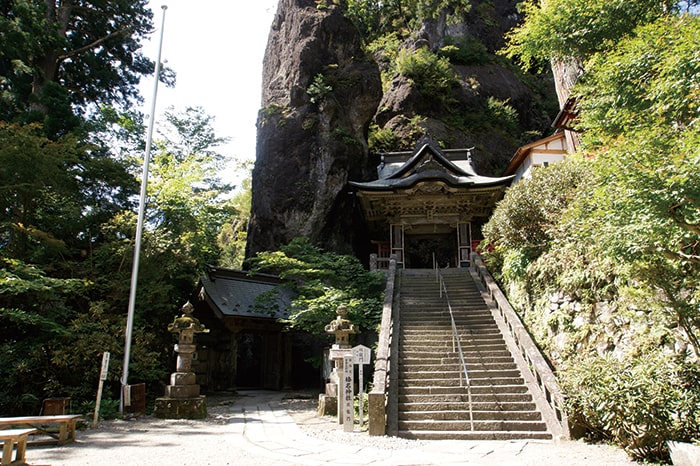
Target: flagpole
[{"x": 139, "y": 225}]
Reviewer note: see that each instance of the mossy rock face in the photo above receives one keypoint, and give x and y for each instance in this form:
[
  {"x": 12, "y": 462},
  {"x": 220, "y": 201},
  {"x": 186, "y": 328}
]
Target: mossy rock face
[{"x": 176, "y": 408}]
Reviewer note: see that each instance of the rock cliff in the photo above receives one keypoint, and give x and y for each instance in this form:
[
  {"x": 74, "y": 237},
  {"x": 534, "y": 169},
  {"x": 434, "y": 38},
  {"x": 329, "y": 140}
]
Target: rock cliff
[{"x": 322, "y": 90}]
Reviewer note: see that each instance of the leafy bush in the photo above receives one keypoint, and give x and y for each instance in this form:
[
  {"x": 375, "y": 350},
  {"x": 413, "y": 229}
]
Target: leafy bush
[
  {"x": 322, "y": 281},
  {"x": 527, "y": 215},
  {"x": 502, "y": 114},
  {"x": 109, "y": 408},
  {"x": 318, "y": 89},
  {"x": 465, "y": 50},
  {"x": 639, "y": 402},
  {"x": 382, "y": 139},
  {"x": 432, "y": 75},
  {"x": 385, "y": 50}
]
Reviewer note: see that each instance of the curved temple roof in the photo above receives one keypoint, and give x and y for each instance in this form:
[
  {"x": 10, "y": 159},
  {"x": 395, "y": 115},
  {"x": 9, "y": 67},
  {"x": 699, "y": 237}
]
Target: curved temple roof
[{"x": 428, "y": 163}]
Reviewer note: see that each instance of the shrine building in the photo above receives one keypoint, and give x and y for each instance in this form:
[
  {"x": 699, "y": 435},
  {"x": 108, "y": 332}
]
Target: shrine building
[{"x": 427, "y": 206}]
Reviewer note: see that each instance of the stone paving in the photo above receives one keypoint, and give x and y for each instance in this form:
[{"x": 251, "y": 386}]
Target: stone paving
[{"x": 257, "y": 430}]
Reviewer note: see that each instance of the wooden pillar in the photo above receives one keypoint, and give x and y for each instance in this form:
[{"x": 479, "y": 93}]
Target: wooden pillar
[
  {"x": 232, "y": 371},
  {"x": 287, "y": 360}
]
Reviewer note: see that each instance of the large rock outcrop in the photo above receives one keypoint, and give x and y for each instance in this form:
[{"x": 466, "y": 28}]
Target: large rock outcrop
[
  {"x": 484, "y": 82},
  {"x": 320, "y": 92}
]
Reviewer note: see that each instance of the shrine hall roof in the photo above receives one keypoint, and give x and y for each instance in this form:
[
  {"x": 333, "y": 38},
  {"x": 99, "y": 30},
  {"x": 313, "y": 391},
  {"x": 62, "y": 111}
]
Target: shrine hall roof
[
  {"x": 402, "y": 170},
  {"x": 235, "y": 293}
]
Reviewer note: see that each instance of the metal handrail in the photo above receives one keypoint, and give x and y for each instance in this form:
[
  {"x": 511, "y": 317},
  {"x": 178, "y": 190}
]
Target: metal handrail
[{"x": 458, "y": 344}]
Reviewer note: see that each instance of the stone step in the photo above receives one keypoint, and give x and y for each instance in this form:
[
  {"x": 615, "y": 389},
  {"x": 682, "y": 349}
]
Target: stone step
[
  {"x": 406, "y": 381},
  {"x": 407, "y": 373},
  {"x": 413, "y": 355},
  {"x": 471, "y": 361},
  {"x": 446, "y": 340},
  {"x": 452, "y": 401},
  {"x": 447, "y": 348},
  {"x": 413, "y": 333},
  {"x": 463, "y": 405},
  {"x": 461, "y": 415},
  {"x": 472, "y": 435},
  {"x": 416, "y": 327},
  {"x": 410, "y": 328},
  {"x": 472, "y": 366},
  {"x": 478, "y": 327},
  {"x": 486, "y": 425},
  {"x": 444, "y": 318},
  {"x": 493, "y": 391},
  {"x": 417, "y": 304},
  {"x": 432, "y": 401},
  {"x": 439, "y": 331},
  {"x": 475, "y": 313}
]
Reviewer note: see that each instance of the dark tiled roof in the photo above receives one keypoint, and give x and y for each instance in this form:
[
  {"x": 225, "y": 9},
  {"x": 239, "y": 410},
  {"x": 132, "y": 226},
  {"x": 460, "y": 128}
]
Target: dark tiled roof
[
  {"x": 234, "y": 293},
  {"x": 428, "y": 163}
]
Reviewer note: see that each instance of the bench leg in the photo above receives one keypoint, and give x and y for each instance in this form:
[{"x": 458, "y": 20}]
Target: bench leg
[
  {"x": 7, "y": 452},
  {"x": 21, "y": 450},
  {"x": 71, "y": 430},
  {"x": 62, "y": 433}
]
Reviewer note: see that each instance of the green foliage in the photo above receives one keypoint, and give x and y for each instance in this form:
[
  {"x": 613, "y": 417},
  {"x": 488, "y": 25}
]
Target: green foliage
[
  {"x": 502, "y": 114},
  {"x": 526, "y": 216},
  {"x": 52, "y": 339},
  {"x": 625, "y": 244},
  {"x": 58, "y": 55},
  {"x": 432, "y": 75},
  {"x": 646, "y": 82},
  {"x": 386, "y": 50},
  {"x": 274, "y": 113},
  {"x": 465, "y": 50},
  {"x": 53, "y": 191},
  {"x": 561, "y": 29},
  {"x": 637, "y": 402},
  {"x": 109, "y": 408},
  {"x": 186, "y": 196},
  {"x": 318, "y": 89},
  {"x": 375, "y": 18},
  {"x": 382, "y": 139},
  {"x": 233, "y": 234},
  {"x": 322, "y": 281},
  {"x": 54, "y": 329},
  {"x": 647, "y": 159}
]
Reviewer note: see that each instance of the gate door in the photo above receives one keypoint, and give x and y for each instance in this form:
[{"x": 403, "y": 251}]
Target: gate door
[
  {"x": 464, "y": 242},
  {"x": 397, "y": 244}
]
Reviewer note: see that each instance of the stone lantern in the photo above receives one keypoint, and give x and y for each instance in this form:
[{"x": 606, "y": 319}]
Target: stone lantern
[
  {"x": 342, "y": 328},
  {"x": 182, "y": 399}
]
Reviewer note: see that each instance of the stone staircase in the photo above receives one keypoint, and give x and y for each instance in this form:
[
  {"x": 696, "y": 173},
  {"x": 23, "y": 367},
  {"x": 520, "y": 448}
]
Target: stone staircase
[{"x": 432, "y": 401}]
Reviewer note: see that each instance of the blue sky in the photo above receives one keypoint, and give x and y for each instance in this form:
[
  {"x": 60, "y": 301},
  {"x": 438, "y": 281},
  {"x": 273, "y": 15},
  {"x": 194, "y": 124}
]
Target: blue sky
[{"x": 216, "y": 47}]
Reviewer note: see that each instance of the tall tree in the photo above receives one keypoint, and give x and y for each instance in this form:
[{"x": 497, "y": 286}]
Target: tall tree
[
  {"x": 187, "y": 196},
  {"x": 565, "y": 29},
  {"x": 60, "y": 57}
]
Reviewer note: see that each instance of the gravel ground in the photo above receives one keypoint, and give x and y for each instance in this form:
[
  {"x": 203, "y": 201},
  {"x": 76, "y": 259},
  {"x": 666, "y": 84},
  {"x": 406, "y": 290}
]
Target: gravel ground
[{"x": 255, "y": 430}]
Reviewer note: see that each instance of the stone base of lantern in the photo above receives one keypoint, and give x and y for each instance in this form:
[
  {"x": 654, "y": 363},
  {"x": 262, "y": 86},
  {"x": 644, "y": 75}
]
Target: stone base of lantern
[
  {"x": 327, "y": 405},
  {"x": 181, "y": 408}
]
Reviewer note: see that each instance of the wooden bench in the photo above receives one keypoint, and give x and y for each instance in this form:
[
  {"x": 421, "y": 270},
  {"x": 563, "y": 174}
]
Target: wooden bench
[
  {"x": 12, "y": 438},
  {"x": 46, "y": 425}
]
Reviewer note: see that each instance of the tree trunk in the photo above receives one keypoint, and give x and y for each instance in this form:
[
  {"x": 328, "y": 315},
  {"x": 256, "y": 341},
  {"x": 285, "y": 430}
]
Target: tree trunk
[{"x": 46, "y": 66}]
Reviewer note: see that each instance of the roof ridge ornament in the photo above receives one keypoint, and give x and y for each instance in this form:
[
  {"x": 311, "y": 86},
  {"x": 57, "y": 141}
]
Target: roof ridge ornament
[{"x": 469, "y": 153}]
